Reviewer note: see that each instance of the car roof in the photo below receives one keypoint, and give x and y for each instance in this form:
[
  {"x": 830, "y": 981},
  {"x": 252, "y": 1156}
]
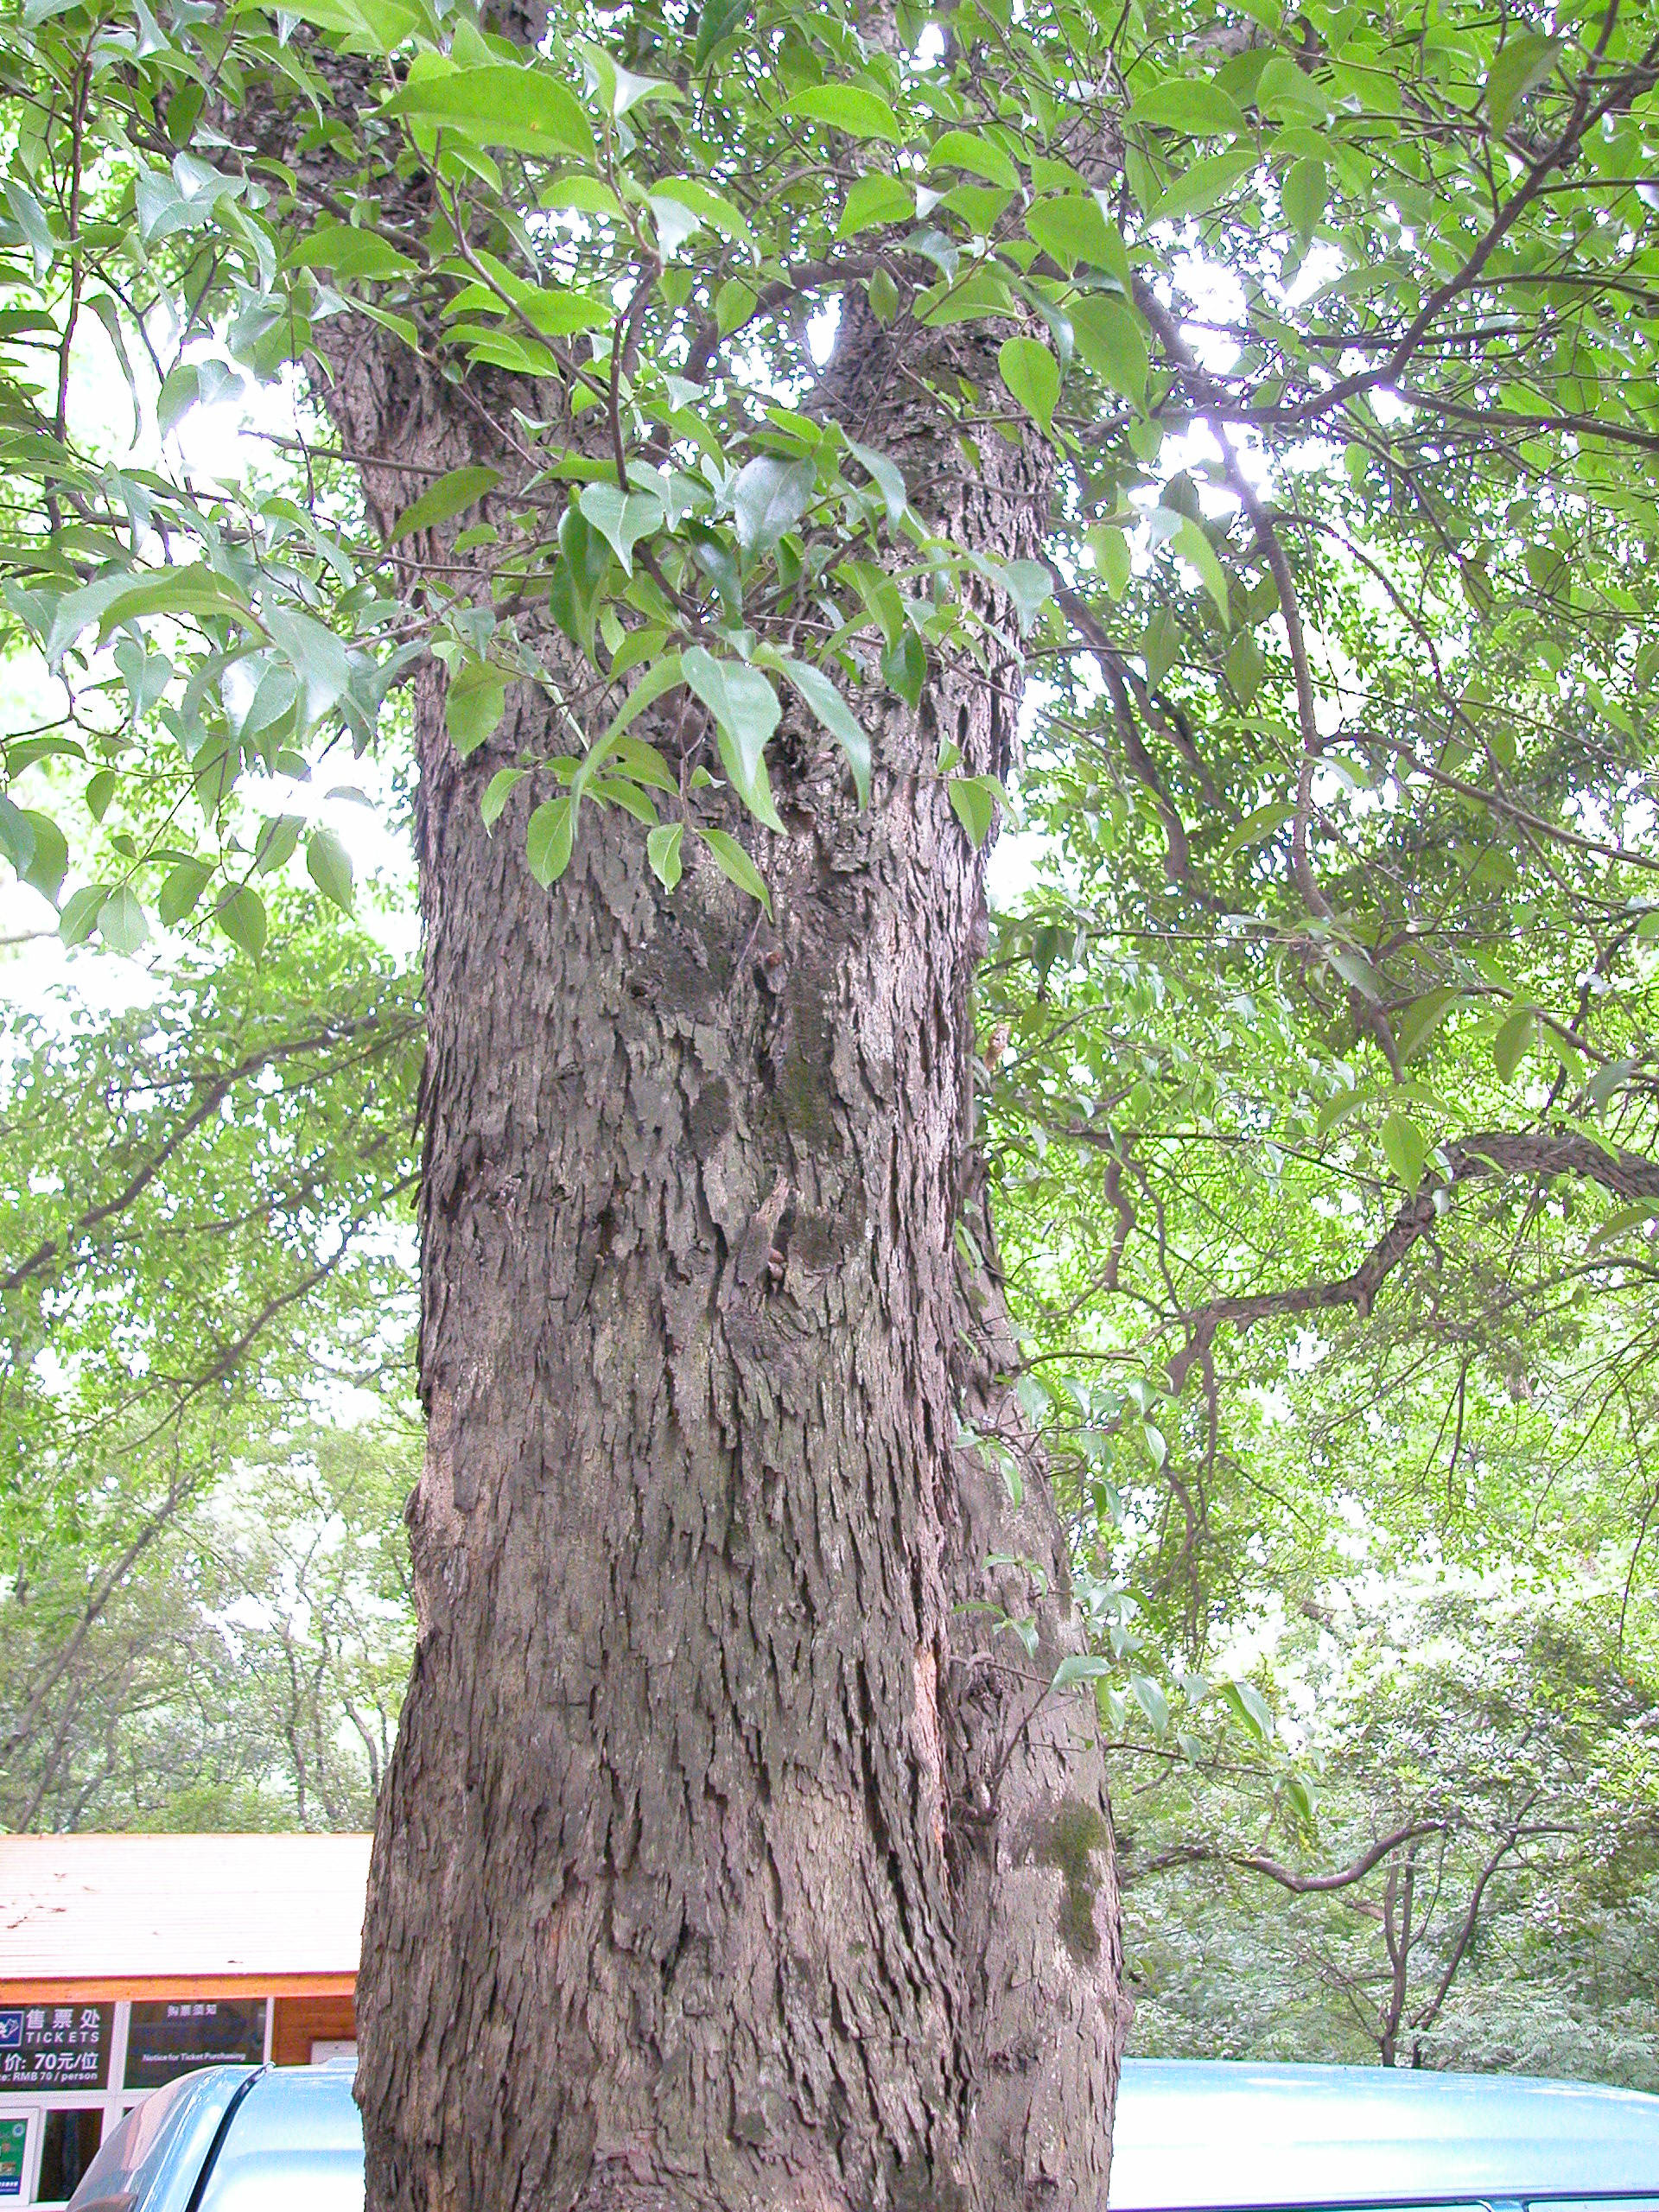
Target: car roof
[
  {"x": 155, "y": 2154},
  {"x": 1206, "y": 2133},
  {"x": 296, "y": 2137}
]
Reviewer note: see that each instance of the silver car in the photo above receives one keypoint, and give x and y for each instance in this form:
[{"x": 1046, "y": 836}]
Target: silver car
[{"x": 1190, "y": 2137}]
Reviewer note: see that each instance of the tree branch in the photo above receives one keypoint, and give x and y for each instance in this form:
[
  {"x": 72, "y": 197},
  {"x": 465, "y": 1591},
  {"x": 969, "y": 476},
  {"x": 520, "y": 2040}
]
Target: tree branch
[
  {"x": 1627, "y": 1175},
  {"x": 1258, "y": 1862}
]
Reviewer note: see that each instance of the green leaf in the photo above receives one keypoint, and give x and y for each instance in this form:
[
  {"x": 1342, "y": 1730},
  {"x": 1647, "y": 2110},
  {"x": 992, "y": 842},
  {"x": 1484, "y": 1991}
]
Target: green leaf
[
  {"x": 131, "y": 596},
  {"x": 1027, "y": 583},
  {"x": 548, "y": 840},
  {"x": 329, "y": 867},
  {"x": 832, "y": 710},
  {"x": 182, "y": 890},
  {"x": 1302, "y": 196},
  {"x": 663, "y": 851},
  {"x": 703, "y": 205},
  {"x": 1301, "y": 1798},
  {"x": 16, "y": 834},
  {"x": 579, "y": 576},
  {"x": 620, "y": 90},
  {"x": 904, "y": 664},
  {"x": 966, "y": 149},
  {"x": 1407, "y": 1150},
  {"x": 874, "y": 198},
  {"x": 121, "y": 921},
  {"x": 497, "y": 791},
  {"x": 1032, "y": 375},
  {"x": 276, "y": 842},
  {"x": 717, "y": 20},
  {"x": 743, "y": 705},
  {"x": 1080, "y": 1666},
  {"x": 1247, "y": 1704},
  {"x": 861, "y": 114},
  {"x": 973, "y": 800},
  {"x": 1197, "y": 189},
  {"x": 450, "y": 496},
  {"x": 318, "y": 658},
  {"x": 1550, "y": 571},
  {"x": 1111, "y": 549},
  {"x": 887, "y": 477},
  {"x": 1284, "y": 91},
  {"x": 646, "y": 765},
  {"x": 104, "y": 308},
  {"x": 585, "y": 194},
  {"x": 1244, "y": 666},
  {"x": 770, "y": 497},
  {"x": 1192, "y": 542},
  {"x": 519, "y": 105},
  {"x": 734, "y": 862},
  {"x": 662, "y": 676},
  {"x": 1355, "y": 969},
  {"x": 48, "y": 863},
  {"x": 1152, "y": 1701},
  {"x": 80, "y": 912},
  {"x": 1415, "y": 1026},
  {"x": 476, "y": 701},
  {"x": 1510, "y": 1046},
  {"x": 621, "y": 521},
  {"x": 241, "y": 914},
  {"x": 368, "y": 26},
  {"x": 30, "y": 219},
  {"x": 1618, "y": 1223},
  {"x": 1112, "y": 343},
  {"x": 1196, "y": 106},
  {"x": 1071, "y": 229},
  {"x": 974, "y": 298},
  {"x": 1524, "y": 60},
  {"x": 354, "y": 255}
]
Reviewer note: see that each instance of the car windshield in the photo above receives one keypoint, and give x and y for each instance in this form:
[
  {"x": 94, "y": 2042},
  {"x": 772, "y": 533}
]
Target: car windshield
[{"x": 109, "y": 2181}]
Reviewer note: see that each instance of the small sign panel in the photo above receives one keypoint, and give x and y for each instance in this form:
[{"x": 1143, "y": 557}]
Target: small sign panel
[
  {"x": 165, "y": 2039},
  {"x": 13, "y": 2141},
  {"x": 54, "y": 2047}
]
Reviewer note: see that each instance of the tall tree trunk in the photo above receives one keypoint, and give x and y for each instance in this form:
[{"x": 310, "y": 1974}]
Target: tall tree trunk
[{"x": 731, "y": 1855}]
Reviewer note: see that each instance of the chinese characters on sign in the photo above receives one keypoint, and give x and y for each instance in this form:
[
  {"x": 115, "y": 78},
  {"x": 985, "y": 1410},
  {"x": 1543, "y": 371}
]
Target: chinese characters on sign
[
  {"x": 54, "y": 2047},
  {"x": 165, "y": 2039}
]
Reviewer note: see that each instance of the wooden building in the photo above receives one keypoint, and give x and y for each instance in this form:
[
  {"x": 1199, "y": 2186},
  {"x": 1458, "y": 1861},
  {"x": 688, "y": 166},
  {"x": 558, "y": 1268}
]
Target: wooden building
[{"x": 127, "y": 1960}]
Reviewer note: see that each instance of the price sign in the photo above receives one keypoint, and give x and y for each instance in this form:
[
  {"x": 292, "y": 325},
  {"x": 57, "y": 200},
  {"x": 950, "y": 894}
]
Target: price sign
[{"x": 54, "y": 2047}]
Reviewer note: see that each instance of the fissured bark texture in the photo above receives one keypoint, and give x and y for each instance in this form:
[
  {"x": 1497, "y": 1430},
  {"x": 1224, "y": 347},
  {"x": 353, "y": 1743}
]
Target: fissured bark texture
[{"x": 732, "y": 1858}]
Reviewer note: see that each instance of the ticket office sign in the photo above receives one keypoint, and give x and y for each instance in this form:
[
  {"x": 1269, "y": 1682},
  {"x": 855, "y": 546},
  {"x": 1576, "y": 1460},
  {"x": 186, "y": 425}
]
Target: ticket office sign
[
  {"x": 167, "y": 2038},
  {"x": 54, "y": 2047}
]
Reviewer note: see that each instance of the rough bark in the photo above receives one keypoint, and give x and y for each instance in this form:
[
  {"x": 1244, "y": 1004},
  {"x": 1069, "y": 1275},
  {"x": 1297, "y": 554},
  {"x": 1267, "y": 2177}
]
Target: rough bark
[{"x": 732, "y": 1855}]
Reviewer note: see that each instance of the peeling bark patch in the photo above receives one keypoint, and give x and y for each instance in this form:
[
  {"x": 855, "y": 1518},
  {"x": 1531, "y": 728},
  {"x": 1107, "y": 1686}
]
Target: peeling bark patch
[
  {"x": 1075, "y": 1833},
  {"x": 927, "y": 1738}
]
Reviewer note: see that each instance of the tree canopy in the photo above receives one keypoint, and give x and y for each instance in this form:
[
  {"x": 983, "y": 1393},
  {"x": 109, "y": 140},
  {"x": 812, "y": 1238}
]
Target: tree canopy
[{"x": 1315, "y": 1070}]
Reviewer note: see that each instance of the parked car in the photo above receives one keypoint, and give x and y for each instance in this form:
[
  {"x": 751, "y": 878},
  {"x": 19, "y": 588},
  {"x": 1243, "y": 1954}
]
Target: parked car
[
  {"x": 235, "y": 2138},
  {"x": 1199, "y": 2135},
  {"x": 1191, "y": 2136}
]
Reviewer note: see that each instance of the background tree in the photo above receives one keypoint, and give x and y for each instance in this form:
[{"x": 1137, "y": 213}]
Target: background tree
[
  {"x": 1471, "y": 1821},
  {"x": 774, "y": 1870},
  {"x": 204, "y": 1198}
]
